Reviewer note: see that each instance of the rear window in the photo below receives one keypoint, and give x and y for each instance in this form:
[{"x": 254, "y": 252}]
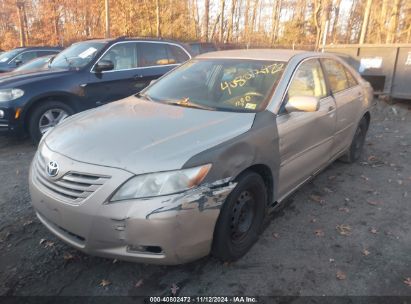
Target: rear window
[
  {"x": 176, "y": 54},
  {"x": 153, "y": 54}
]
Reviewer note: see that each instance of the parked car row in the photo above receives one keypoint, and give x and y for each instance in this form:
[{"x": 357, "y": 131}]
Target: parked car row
[{"x": 12, "y": 59}]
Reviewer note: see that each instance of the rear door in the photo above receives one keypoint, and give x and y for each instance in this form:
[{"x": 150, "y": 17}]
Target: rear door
[
  {"x": 348, "y": 96},
  {"x": 120, "y": 82},
  {"x": 306, "y": 138},
  {"x": 158, "y": 58}
]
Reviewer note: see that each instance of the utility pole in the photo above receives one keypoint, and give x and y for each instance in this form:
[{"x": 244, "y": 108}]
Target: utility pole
[
  {"x": 364, "y": 26},
  {"x": 107, "y": 18},
  {"x": 20, "y": 7}
]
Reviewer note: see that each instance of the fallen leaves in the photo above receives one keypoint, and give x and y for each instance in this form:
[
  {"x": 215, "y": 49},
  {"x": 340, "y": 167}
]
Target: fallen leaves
[
  {"x": 365, "y": 178},
  {"x": 374, "y": 230},
  {"x": 373, "y": 203},
  {"x": 139, "y": 283},
  {"x": 104, "y": 283},
  {"x": 174, "y": 288},
  {"x": 46, "y": 243},
  {"x": 317, "y": 199},
  {"x": 328, "y": 190},
  {"x": 341, "y": 275},
  {"x": 365, "y": 252},
  {"x": 407, "y": 281},
  {"x": 344, "y": 209},
  {"x": 344, "y": 229},
  {"x": 26, "y": 223},
  {"x": 319, "y": 233},
  {"x": 276, "y": 235},
  {"x": 67, "y": 256}
]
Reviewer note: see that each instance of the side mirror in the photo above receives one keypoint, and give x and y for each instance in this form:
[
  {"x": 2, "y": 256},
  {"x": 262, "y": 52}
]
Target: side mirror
[
  {"x": 302, "y": 104},
  {"x": 18, "y": 62},
  {"x": 104, "y": 65}
]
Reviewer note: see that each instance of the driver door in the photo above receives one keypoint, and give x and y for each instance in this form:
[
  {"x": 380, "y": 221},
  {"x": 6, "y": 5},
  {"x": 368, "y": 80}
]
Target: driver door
[
  {"x": 120, "y": 82},
  {"x": 305, "y": 138}
]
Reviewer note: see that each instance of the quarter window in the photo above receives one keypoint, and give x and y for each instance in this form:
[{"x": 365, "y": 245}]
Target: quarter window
[
  {"x": 308, "y": 80},
  {"x": 176, "y": 54},
  {"x": 153, "y": 54},
  {"x": 25, "y": 57},
  {"x": 337, "y": 76},
  {"x": 352, "y": 82},
  {"x": 123, "y": 56}
]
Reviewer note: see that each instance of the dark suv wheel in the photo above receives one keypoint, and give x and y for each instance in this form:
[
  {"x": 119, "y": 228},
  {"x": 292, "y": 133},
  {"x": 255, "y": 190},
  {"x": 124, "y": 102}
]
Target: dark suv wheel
[
  {"x": 241, "y": 218},
  {"x": 46, "y": 116}
]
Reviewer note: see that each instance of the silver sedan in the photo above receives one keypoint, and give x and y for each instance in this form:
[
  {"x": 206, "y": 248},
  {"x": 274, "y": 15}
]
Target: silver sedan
[{"x": 193, "y": 164}]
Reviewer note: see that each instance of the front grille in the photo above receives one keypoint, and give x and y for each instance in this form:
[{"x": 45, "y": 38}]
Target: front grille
[{"x": 72, "y": 187}]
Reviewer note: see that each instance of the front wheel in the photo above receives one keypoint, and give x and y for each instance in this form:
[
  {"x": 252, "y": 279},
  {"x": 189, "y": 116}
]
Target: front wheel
[
  {"x": 46, "y": 116},
  {"x": 241, "y": 218}
]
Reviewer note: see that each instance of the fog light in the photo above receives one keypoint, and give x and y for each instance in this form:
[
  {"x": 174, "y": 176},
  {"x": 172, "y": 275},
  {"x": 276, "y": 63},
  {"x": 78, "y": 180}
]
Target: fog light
[
  {"x": 1, "y": 114},
  {"x": 145, "y": 249}
]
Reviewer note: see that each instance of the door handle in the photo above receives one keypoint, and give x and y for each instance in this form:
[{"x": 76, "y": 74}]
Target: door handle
[{"x": 138, "y": 76}]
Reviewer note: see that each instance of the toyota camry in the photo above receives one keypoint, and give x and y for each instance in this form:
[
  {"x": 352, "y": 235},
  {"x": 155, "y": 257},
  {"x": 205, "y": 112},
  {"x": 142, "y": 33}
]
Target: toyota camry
[{"x": 195, "y": 163}]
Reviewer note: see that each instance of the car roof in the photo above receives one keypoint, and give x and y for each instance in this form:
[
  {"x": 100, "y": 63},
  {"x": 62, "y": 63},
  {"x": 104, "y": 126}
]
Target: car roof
[
  {"x": 39, "y": 48},
  {"x": 131, "y": 39},
  {"x": 256, "y": 54}
]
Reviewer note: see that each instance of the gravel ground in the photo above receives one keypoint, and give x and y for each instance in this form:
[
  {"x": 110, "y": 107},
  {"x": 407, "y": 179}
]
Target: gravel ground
[{"x": 345, "y": 233}]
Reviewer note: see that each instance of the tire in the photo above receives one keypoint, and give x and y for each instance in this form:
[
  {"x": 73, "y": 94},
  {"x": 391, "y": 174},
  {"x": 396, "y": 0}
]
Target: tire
[
  {"x": 39, "y": 116},
  {"x": 357, "y": 144},
  {"x": 241, "y": 218}
]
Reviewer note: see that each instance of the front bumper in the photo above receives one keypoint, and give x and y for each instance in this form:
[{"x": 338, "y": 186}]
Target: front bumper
[
  {"x": 172, "y": 229},
  {"x": 8, "y": 124}
]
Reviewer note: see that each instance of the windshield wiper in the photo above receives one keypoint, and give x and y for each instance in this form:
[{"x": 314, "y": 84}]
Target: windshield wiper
[
  {"x": 185, "y": 102},
  {"x": 145, "y": 96}
]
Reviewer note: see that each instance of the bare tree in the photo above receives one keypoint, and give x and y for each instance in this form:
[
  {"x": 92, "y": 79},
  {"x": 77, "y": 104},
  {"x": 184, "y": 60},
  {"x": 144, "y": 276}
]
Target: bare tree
[
  {"x": 222, "y": 6},
  {"x": 206, "y": 18}
]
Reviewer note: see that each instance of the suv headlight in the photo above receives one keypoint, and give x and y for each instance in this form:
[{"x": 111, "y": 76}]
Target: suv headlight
[
  {"x": 10, "y": 94},
  {"x": 162, "y": 183}
]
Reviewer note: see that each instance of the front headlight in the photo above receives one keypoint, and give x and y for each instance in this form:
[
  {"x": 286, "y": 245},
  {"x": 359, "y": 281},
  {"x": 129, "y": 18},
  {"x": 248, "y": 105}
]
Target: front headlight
[
  {"x": 10, "y": 94},
  {"x": 162, "y": 183}
]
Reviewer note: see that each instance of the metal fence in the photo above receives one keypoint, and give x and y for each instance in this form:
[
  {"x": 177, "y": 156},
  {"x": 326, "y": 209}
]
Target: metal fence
[{"x": 386, "y": 67}]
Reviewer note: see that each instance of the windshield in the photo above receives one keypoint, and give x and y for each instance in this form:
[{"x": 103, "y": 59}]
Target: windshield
[
  {"x": 7, "y": 56},
  {"x": 38, "y": 63},
  {"x": 77, "y": 56},
  {"x": 219, "y": 84}
]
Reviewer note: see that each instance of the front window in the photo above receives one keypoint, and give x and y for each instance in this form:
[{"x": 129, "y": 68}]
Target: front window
[
  {"x": 122, "y": 55},
  {"x": 77, "y": 56},
  {"x": 34, "y": 64},
  {"x": 219, "y": 84},
  {"x": 7, "y": 56}
]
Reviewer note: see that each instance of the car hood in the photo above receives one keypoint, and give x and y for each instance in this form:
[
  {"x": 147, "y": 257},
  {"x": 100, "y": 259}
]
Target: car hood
[
  {"x": 23, "y": 77},
  {"x": 142, "y": 136}
]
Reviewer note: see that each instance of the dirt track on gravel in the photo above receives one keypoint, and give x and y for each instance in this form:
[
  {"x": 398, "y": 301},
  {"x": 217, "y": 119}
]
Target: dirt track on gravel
[{"x": 345, "y": 233}]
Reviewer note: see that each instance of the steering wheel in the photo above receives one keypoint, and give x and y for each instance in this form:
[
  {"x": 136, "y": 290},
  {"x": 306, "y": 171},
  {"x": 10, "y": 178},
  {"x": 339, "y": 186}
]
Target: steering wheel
[{"x": 241, "y": 101}]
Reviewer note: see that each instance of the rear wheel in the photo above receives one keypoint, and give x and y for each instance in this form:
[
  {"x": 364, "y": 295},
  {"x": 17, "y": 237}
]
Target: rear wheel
[
  {"x": 46, "y": 116},
  {"x": 355, "y": 151},
  {"x": 241, "y": 218}
]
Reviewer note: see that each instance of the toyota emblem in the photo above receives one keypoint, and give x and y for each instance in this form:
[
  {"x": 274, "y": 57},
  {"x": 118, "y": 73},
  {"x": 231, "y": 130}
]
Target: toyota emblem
[{"x": 52, "y": 168}]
